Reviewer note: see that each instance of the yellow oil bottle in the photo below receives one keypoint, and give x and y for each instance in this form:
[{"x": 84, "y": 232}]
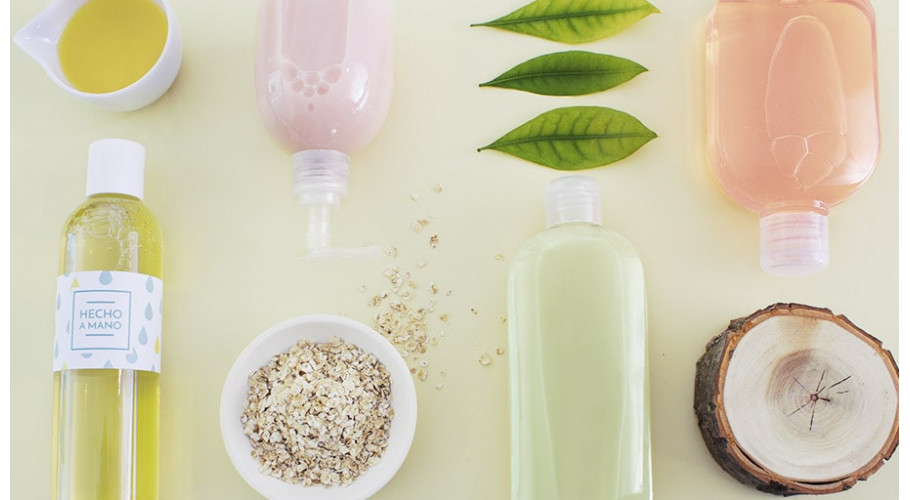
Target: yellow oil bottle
[{"x": 107, "y": 342}]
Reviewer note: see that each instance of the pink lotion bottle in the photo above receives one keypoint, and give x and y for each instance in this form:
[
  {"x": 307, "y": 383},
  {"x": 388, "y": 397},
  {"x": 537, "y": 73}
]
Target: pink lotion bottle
[
  {"x": 323, "y": 86},
  {"x": 792, "y": 116}
]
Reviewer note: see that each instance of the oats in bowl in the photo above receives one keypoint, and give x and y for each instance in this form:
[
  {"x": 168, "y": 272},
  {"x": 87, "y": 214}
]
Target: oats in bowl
[
  {"x": 319, "y": 413},
  {"x": 271, "y": 352}
]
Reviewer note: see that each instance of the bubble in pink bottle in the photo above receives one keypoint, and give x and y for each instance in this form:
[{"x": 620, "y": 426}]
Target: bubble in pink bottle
[
  {"x": 792, "y": 116},
  {"x": 323, "y": 86}
]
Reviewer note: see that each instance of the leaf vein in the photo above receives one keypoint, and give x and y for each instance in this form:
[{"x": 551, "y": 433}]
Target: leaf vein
[
  {"x": 593, "y": 137},
  {"x": 558, "y": 73},
  {"x": 558, "y": 17}
]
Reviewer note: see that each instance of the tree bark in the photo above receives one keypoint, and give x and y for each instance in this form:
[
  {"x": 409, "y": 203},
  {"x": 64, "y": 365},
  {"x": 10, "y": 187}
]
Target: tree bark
[{"x": 794, "y": 399}]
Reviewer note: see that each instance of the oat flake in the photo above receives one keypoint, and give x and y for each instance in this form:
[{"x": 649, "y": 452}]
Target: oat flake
[{"x": 319, "y": 413}]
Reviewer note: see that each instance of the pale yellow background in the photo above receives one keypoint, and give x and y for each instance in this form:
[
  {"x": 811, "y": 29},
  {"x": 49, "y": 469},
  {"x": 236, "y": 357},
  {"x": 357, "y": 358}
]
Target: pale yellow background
[{"x": 220, "y": 187}]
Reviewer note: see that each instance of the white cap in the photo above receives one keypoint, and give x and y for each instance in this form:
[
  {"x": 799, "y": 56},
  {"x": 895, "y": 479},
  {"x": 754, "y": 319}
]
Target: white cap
[
  {"x": 572, "y": 198},
  {"x": 115, "y": 166},
  {"x": 794, "y": 243}
]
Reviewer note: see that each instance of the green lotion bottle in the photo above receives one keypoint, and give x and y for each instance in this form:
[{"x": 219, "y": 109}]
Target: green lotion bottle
[
  {"x": 107, "y": 339},
  {"x": 578, "y": 357}
]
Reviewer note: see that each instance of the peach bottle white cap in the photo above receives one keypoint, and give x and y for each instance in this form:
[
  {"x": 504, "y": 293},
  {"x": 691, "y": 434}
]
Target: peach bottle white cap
[
  {"x": 115, "y": 166},
  {"x": 794, "y": 243}
]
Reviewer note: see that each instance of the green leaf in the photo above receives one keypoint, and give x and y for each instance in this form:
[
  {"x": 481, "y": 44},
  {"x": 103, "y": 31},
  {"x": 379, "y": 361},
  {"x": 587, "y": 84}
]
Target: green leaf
[
  {"x": 575, "y": 138},
  {"x": 568, "y": 73},
  {"x": 574, "y": 21}
]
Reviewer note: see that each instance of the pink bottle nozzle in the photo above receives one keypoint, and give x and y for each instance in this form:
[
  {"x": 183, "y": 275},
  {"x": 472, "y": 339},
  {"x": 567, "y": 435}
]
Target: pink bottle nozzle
[
  {"x": 794, "y": 243},
  {"x": 320, "y": 183}
]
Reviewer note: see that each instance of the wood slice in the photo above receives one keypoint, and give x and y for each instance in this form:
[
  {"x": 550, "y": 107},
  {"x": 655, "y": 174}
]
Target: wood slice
[{"x": 794, "y": 399}]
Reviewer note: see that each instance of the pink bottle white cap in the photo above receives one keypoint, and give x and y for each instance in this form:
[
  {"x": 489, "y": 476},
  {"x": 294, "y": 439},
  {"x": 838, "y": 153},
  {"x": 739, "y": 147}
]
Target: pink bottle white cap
[
  {"x": 794, "y": 243},
  {"x": 115, "y": 166}
]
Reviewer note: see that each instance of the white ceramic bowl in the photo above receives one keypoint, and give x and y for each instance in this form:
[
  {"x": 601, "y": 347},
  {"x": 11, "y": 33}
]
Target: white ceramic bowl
[{"x": 318, "y": 328}]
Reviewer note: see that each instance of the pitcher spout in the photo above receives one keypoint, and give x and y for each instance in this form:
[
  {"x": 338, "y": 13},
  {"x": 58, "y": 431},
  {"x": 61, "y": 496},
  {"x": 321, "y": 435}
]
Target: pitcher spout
[
  {"x": 39, "y": 37},
  {"x": 36, "y": 43}
]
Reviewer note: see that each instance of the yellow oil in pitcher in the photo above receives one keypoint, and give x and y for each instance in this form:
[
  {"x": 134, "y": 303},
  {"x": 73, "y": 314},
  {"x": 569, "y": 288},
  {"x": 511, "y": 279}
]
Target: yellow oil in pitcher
[{"x": 110, "y": 44}]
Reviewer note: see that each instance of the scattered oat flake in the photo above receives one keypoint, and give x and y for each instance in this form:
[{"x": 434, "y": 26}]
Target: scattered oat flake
[
  {"x": 422, "y": 264},
  {"x": 474, "y": 311},
  {"x": 449, "y": 293},
  {"x": 439, "y": 387},
  {"x": 391, "y": 251},
  {"x": 500, "y": 351},
  {"x": 422, "y": 374},
  {"x": 485, "y": 359},
  {"x": 444, "y": 317},
  {"x": 437, "y": 188},
  {"x": 434, "y": 241},
  {"x": 418, "y": 225},
  {"x": 362, "y": 288},
  {"x": 503, "y": 319},
  {"x": 415, "y": 196},
  {"x": 442, "y": 374},
  {"x": 499, "y": 257},
  {"x": 434, "y": 289},
  {"x": 402, "y": 324},
  {"x": 424, "y": 363}
]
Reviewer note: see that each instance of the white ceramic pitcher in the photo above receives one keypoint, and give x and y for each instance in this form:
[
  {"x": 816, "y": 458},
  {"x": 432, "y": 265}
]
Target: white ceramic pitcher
[{"x": 39, "y": 39}]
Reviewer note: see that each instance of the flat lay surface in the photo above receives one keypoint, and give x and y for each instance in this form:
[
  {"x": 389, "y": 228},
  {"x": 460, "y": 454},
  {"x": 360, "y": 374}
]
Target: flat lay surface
[{"x": 448, "y": 219}]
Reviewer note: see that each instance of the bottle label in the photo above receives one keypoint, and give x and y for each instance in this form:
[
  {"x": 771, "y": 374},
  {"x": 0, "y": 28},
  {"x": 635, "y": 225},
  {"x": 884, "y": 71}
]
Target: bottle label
[{"x": 108, "y": 319}]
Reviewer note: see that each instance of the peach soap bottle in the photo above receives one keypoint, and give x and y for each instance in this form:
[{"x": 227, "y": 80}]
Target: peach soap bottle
[
  {"x": 792, "y": 111},
  {"x": 324, "y": 86}
]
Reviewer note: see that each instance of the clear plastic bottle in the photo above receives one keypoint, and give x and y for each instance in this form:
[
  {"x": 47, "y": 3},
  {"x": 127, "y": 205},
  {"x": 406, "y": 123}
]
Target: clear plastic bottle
[
  {"x": 578, "y": 357},
  {"x": 324, "y": 86},
  {"x": 792, "y": 116},
  {"x": 107, "y": 338}
]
